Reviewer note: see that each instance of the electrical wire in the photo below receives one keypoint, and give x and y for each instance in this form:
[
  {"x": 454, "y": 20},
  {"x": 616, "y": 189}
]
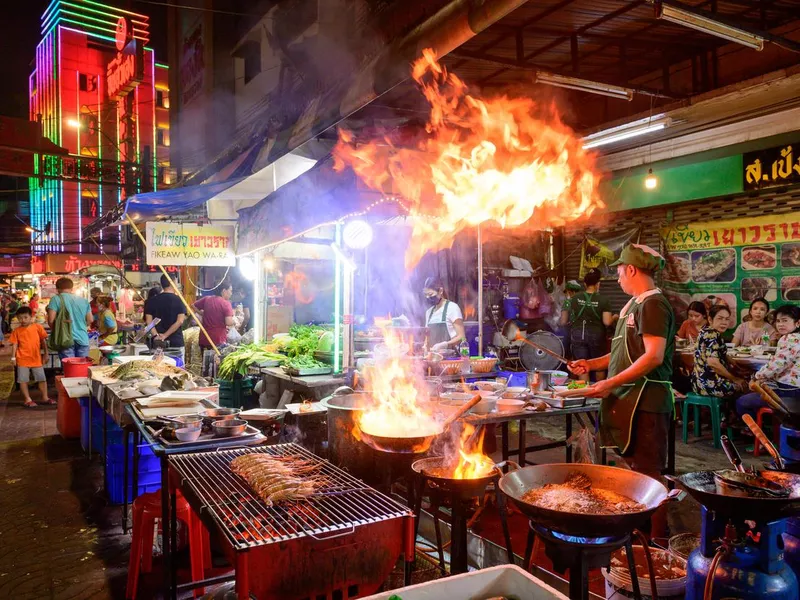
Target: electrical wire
[{"x": 198, "y": 288}]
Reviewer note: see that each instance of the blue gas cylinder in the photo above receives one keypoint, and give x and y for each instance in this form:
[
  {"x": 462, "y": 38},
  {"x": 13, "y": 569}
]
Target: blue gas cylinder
[
  {"x": 511, "y": 304},
  {"x": 750, "y": 571},
  {"x": 791, "y": 545}
]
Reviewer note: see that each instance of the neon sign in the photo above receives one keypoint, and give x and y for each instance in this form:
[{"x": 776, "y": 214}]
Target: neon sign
[{"x": 126, "y": 69}]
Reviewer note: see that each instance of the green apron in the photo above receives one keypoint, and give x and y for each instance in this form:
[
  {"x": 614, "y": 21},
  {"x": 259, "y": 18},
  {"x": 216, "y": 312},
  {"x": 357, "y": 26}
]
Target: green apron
[{"x": 618, "y": 410}]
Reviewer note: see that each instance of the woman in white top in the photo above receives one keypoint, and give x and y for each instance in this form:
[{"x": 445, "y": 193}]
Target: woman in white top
[
  {"x": 751, "y": 333},
  {"x": 443, "y": 319}
]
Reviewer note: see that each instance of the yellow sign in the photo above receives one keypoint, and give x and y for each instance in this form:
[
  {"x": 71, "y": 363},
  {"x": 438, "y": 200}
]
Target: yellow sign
[
  {"x": 190, "y": 244},
  {"x": 736, "y": 232}
]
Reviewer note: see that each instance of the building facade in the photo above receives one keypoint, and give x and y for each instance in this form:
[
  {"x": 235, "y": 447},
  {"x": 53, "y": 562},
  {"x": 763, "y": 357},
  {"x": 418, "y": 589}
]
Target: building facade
[{"x": 98, "y": 92}]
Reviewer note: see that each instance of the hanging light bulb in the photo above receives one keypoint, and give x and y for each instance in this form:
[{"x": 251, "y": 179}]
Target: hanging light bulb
[{"x": 651, "y": 181}]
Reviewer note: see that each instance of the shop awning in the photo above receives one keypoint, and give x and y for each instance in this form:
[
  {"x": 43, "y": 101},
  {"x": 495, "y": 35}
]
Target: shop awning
[{"x": 318, "y": 197}]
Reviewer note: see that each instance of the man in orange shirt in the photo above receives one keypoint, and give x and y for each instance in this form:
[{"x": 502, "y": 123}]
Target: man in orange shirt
[{"x": 27, "y": 347}]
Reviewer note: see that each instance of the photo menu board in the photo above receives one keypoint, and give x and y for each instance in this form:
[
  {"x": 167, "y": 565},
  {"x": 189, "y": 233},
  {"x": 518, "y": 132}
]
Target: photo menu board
[{"x": 733, "y": 262}]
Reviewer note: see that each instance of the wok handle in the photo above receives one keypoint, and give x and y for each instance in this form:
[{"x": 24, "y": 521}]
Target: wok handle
[
  {"x": 673, "y": 479},
  {"x": 765, "y": 441},
  {"x": 462, "y": 410},
  {"x": 675, "y": 495},
  {"x": 512, "y": 466},
  {"x": 732, "y": 453}
]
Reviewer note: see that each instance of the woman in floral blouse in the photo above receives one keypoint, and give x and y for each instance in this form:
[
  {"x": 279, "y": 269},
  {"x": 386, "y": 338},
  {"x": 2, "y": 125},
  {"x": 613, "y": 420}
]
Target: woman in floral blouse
[
  {"x": 782, "y": 372},
  {"x": 713, "y": 374}
]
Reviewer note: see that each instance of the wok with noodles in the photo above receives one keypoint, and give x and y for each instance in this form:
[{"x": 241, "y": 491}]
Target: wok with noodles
[
  {"x": 576, "y": 495},
  {"x": 585, "y": 500}
]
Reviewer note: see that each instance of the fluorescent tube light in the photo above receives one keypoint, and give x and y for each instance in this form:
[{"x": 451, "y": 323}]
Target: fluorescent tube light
[
  {"x": 584, "y": 85},
  {"x": 702, "y": 23},
  {"x": 626, "y": 131}
]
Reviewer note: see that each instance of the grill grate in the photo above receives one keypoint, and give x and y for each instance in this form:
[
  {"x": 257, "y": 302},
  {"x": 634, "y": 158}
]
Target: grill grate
[{"x": 342, "y": 503}]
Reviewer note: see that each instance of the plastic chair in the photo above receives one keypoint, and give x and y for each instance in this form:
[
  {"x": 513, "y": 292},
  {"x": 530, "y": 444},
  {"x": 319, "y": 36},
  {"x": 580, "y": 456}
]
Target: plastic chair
[
  {"x": 714, "y": 404},
  {"x": 146, "y": 509},
  {"x": 776, "y": 431}
]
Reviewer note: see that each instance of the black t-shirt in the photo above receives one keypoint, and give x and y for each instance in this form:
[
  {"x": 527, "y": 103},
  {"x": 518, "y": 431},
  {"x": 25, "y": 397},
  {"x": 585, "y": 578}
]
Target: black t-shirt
[{"x": 167, "y": 307}]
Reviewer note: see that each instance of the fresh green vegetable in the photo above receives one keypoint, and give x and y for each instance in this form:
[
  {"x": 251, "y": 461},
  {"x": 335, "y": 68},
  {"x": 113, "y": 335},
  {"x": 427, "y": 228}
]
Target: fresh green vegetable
[
  {"x": 303, "y": 362},
  {"x": 238, "y": 361},
  {"x": 576, "y": 385},
  {"x": 304, "y": 340}
]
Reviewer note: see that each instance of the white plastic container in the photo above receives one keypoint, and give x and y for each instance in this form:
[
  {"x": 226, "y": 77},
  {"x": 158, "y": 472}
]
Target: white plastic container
[{"x": 505, "y": 580}]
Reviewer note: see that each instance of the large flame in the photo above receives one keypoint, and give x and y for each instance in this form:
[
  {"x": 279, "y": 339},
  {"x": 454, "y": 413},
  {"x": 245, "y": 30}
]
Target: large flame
[
  {"x": 472, "y": 463},
  {"x": 495, "y": 159},
  {"x": 399, "y": 411}
]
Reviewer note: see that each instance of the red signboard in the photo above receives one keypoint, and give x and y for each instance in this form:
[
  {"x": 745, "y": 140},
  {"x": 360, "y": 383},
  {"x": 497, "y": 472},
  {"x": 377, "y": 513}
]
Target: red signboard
[
  {"x": 126, "y": 69},
  {"x": 69, "y": 263}
]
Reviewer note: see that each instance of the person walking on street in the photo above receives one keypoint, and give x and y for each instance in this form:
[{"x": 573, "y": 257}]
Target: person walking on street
[
  {"x": 637, "y": 399},
  {"x": 170, "y": 309},
  {"x": 27, "y": 348},
  {"x": 80, "y": 317},
  {"x": 217, "y": 316}
]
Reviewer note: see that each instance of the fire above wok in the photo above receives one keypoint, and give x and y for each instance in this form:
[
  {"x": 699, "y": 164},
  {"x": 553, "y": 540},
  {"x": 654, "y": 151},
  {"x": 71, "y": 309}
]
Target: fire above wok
[
  {"x": 640, "y": 488},
  {"x": 412, "y": 444}
]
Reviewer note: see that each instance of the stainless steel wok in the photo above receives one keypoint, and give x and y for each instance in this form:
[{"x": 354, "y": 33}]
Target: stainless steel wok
[{"x": 640, "y": 488}]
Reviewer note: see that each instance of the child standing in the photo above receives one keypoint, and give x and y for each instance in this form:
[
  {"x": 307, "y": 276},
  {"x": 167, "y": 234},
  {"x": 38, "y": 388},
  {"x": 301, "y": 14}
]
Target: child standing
[{"x": 27, "y": 348}]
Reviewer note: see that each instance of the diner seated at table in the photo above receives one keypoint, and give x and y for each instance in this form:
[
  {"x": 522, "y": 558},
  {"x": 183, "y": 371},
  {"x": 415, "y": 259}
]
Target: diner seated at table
[
  {"x": 753, "y": 328},
  {"x": 782, "y": 372},
  {"x": 713, "y": 374},
  {"x": 697, "y": 318}
]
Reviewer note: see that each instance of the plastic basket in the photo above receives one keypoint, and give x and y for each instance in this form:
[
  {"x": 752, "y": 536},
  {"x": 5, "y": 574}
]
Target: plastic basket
[
  {"x": 94, "y": 424},
  {"x": 232, "y": 394},
  {"x": 149, "y": 472},
  {"x": 515, "y": 379}
]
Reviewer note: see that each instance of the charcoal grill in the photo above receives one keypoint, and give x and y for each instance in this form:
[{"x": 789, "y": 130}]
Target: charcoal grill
[{"x": 356, "y": 533}]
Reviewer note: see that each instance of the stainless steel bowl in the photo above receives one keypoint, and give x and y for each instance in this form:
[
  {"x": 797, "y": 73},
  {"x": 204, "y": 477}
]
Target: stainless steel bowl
[
  {"x": 219, "y": 414},
  {"x": 229, "y": 427},
  {"x": 190, "y": 421}
]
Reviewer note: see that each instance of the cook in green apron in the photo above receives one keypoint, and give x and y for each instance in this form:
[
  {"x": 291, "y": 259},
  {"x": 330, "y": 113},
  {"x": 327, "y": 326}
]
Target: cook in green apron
[
  {"x": 439, "y": 334},
  {"x": 637, "y": 396}
]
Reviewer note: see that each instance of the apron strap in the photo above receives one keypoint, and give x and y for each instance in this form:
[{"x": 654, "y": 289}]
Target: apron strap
[{"x": 444, "y": 311}]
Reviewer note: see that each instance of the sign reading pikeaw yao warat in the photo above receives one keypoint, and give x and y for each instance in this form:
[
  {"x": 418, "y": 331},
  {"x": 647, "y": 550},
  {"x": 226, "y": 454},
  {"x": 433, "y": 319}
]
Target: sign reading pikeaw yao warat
[{"x": 190, "y": 244}]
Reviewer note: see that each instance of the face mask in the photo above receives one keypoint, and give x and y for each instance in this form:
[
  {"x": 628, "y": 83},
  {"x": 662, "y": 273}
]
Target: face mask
[{"x": 432, "y": 300}]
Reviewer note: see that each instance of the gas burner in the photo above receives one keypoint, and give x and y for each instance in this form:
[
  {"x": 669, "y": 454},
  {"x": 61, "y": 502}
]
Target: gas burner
[{"x": 578, "y": 554}]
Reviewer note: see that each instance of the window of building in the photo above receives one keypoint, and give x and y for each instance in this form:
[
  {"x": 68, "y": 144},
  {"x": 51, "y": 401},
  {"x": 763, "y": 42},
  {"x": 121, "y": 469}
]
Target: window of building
[
  {"x": 252, "y": 60},
  {"x": 87, "y": 83},
  {"x": 162, "y": 99},
  {"x": 162, "y": 136}
]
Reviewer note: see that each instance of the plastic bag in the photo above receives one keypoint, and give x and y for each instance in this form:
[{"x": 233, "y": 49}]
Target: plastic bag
[
  {"x": 536, "y": 302},
  {"x": 234, "y": 337},
  {"x": 584, "y": 446}
]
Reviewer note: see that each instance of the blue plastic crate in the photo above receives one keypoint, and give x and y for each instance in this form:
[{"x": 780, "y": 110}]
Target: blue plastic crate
[
  {"x": 86, "y": 425},
  {"x": 114, "y": 434},
  {"x": 149, "y": 471},
  {"x": 515, "y": 379}
]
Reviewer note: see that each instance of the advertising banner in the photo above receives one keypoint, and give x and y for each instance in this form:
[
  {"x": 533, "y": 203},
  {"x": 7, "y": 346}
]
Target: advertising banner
[
  {"x": 733, "y": 262},
  {"x": 190, "y": 244},
  {"x": 599, "y": 252}
]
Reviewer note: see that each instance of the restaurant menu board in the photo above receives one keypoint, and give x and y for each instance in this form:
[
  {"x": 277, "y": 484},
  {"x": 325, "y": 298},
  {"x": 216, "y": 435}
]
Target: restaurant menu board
[{"x": 733, "y": 262}]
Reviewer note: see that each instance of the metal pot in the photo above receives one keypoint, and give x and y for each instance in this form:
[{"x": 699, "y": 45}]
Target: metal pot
[
  {"x": 539, "y": 381},
  {"x": 344, "y": 449}
]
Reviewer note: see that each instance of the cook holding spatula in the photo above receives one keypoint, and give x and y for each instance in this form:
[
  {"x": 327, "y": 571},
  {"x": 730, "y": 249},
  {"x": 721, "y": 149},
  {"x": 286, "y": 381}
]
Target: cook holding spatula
[{"x": 637, "y": 400}]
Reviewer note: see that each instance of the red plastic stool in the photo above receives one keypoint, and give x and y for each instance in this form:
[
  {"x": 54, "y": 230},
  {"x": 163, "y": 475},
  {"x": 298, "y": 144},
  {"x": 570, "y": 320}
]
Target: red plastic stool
[
  {"x": 776, "y": 433},
  {"x": 146, "y": 509}
]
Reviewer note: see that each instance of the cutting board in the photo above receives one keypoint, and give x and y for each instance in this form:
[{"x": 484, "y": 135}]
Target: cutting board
[
  {"x": 171, "y": 411},
  {"x": 119, "y": 360}
]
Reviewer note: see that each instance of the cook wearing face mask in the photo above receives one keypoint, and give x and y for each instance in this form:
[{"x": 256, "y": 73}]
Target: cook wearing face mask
[{"x": 443, "y": 318}]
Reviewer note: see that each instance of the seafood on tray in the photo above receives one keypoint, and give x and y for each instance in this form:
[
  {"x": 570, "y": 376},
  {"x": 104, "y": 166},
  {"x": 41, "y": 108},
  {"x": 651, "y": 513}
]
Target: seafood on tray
[
  {"x": 143, "y": 369},
  {"x": 679, "y": 267},
  {"x": 578, "y": 495},
  {"x": 279, "y": 479},
  {"x": 790, "y": 255},
  {"x": 710, "y": 265}
]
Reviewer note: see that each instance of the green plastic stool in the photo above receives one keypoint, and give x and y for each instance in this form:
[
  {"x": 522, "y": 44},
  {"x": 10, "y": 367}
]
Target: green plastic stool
[{"x": 714, "y": 404}]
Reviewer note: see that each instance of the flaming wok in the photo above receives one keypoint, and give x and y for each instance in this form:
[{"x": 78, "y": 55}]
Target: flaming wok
[
  {"x": 418, "y": 443},
  {"x": 640, "y": 488}
]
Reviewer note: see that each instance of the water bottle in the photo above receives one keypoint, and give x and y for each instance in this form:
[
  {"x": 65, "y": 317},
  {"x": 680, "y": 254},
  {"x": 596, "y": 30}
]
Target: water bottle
[
  {"x": 765, "y": 340},
  {"x": 463, "y": 351}
]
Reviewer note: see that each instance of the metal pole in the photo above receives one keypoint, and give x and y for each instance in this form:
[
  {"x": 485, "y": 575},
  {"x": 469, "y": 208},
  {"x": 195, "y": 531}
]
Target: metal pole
[
  {"x": 480, "y": 292},
  {"x": 259, "y": 307},
  {"x": 347, "y": 321},
  {"x": 174, "y": 287}
]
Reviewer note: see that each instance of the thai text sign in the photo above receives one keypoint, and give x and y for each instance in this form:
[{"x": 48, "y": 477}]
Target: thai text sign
[
  {"x": 190, "y": 244},
  {"x": 774, "y": 166},
  {"x": 70, "y": 263},
  {"x": 733, "y": 262}
]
